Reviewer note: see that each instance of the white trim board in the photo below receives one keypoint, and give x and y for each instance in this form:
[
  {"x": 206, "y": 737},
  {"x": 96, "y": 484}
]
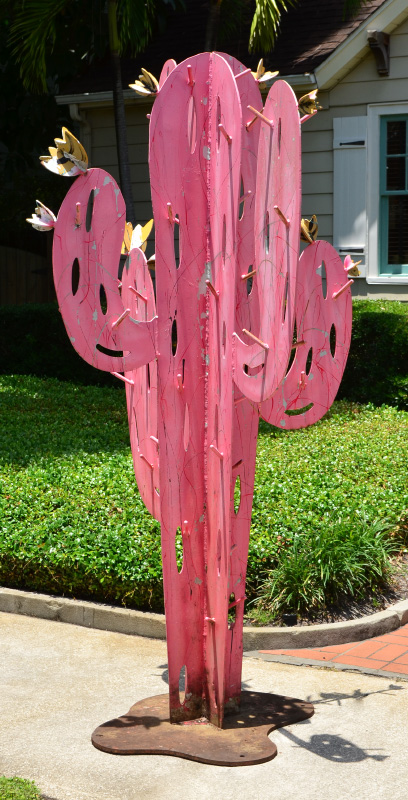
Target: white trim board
[{"x": 348, "y": 54}]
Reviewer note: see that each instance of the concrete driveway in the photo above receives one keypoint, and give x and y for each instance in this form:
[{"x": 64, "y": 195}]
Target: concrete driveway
[{"x": 59, "y": 681}]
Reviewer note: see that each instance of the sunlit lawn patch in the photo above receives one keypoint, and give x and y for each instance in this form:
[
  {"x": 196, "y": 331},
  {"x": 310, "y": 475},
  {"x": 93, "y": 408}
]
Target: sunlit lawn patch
[{"x": 73, "y": 523}]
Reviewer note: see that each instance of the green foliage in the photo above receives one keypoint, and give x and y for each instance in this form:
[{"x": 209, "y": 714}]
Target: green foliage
[
  {"x": 33, "y": 341},
  {"x": 72, "y": 520},
  {"x": 265, "y": 23},
  {"x": 377, "y": 366},
  {"x": 314, "y": 569},
  {"x": 340, "y": 476},
  {"x": 18, "y": 789},
  {"x": 73, "y": 523},
  {"x": 81, "y": 30},
  {"x": 27, "y": 124}
]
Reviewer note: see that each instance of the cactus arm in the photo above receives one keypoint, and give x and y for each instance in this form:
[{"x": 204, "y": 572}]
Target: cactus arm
[
  {"x": 141, "y": 394},
  {"x": 315, "y": 374},
  {"x": 88, "y": 237},
  {"x": 259, "y": 369}
]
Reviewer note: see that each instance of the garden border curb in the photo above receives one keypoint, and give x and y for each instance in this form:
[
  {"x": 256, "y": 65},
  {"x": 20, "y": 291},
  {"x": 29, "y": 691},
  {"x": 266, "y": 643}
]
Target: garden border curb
[{"x": 142, "y": 623}]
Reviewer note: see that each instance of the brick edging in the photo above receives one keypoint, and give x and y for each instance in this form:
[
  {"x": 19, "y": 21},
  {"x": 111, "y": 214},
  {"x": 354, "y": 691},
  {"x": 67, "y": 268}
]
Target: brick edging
[{"x": 141, "y": 623}]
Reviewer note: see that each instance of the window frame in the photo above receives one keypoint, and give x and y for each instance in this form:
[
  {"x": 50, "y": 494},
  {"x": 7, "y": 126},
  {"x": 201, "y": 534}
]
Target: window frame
[
  {"x": 375, "y": 220},
  {"x": 384, "y": 268}
]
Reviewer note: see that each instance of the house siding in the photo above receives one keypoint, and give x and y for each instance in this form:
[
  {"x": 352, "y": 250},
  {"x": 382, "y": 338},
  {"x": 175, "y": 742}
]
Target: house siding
[
  {"x": 103, "y": 150},
  {"x": 350, "y": 97}
]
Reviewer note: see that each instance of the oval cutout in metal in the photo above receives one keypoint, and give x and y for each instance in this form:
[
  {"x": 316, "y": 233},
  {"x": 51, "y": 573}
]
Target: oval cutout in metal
[
  {"x": 267, "y": 232},
  {"x": 192, "y": 124},
  {"x": 242, "y": 203},
  {"x": 174, "y": 337},
  {"x": 237, "y": 494},
  {"x": 103, "y": 300},
  {"x": 177, "y": 244},
  {"x": 332, "y": 339},
  {"x": 219, "y": 552},
  {"x": 75, "y": 276},
  {"x": 323, "y": 274},
  {"x": 89, "y": 210},
  {"x": 178, "y": 543},
  {"x": 309, "y": 359}
]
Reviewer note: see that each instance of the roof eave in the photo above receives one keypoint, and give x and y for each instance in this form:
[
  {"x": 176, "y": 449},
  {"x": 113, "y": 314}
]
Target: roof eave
[
  {"x": 348, "y": 54},
  {"x": 299, "y": 83},
  {"x": 101, "y": 99}
]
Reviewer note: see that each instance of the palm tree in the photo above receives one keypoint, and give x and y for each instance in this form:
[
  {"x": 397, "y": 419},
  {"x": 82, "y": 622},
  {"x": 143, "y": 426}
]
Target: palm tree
[{"x": 82, "y": 28}]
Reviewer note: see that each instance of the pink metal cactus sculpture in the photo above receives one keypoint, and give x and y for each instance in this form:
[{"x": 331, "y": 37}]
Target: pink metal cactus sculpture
[{"x": 210, "y": 353}]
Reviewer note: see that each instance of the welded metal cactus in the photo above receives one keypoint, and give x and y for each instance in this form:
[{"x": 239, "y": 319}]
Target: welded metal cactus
[{"x": 210, "y": 351}]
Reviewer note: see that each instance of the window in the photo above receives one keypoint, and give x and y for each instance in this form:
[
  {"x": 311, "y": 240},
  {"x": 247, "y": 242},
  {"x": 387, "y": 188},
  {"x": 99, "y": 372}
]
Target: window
[
  {"x": 393, "y": 228},
  {"x": 387, "y": 193}
]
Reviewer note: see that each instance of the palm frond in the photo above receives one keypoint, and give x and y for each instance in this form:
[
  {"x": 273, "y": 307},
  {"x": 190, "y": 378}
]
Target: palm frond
[
  {"x": 265, "y": 23},
  {"x": 352, "y": 7},
  {"x": 33, "y": 33}
]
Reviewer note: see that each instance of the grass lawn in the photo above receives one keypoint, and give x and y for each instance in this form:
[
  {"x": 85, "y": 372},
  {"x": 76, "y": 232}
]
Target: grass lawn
[
  {"x": 73, "y": 523},
  {"x": 18, "y": 789}
]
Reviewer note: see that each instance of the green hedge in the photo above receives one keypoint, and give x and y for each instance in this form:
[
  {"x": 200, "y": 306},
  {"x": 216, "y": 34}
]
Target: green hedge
[
  {"x": 377, "y": 366},
  {"x": 33, "y": 341}
]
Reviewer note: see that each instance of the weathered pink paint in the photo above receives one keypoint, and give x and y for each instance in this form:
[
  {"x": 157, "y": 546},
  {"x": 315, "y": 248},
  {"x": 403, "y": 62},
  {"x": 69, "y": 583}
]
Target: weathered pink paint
[
  {"x": 211, "y": 353},
  {"x": 315, "y": 374},
  {"x": 95, "y": 245}
]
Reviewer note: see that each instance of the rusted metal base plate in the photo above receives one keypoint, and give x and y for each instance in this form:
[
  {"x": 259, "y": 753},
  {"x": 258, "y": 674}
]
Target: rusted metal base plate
[{"x": 146, "y": 729}]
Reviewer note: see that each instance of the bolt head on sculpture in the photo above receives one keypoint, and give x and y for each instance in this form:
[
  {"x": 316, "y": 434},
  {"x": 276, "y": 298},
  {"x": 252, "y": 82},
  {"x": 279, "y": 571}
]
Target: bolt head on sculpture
[{"x": 212, "y": 347}]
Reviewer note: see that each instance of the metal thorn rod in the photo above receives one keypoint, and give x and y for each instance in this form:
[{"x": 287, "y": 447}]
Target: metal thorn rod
[
  {"x": 146, "y": 461},
  {"x": 255, "y": 338},
  {"x": 248, "y": 275},
  {"x": 213, "y": 290},
  {"x": 224, "y": 133},
  {"x": 235, "y": 603},
  {"x": 335, "y": 295},
  {"x": 245, "y": 195},
  {"x": 170, "y": 212},
  {"x": 217, "y": 452},
  {"x": 281, "y": 216},
  {"x": 191, "y": 80},
  {"x": 121, "y": 318},
  {"x": 140, "y": 296},
  {"x": 122, "y": 378},
  {"x": 306, "y": 117},
  {"x": 260, "y": 116},
  {"x": 244, "y": 72}
]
